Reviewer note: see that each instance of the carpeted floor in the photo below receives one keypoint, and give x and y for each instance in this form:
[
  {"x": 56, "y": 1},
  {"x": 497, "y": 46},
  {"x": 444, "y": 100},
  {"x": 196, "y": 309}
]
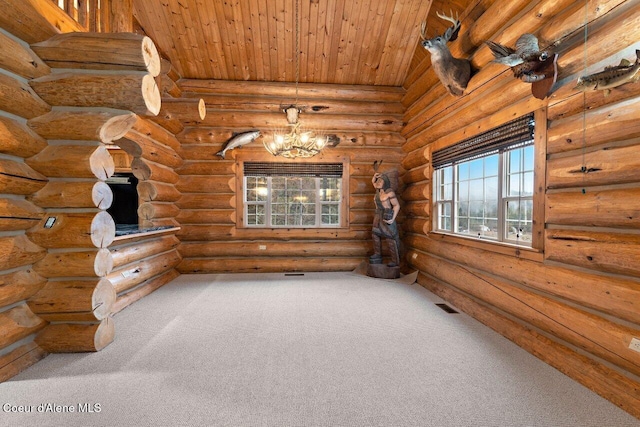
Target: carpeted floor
[{"x": 323, "y": 349}]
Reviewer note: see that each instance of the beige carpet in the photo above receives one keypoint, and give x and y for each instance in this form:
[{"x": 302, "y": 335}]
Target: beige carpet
[{"x": 323, "y": 349}]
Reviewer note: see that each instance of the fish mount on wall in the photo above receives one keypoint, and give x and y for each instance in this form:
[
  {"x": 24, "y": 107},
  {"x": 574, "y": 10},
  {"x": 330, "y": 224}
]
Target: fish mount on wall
[
  {"x": 238, "y": 140},
  {"x": 528, "y": 63},
  {"x": 454, "y": 73},
  {"x": 612, "y": 76}
]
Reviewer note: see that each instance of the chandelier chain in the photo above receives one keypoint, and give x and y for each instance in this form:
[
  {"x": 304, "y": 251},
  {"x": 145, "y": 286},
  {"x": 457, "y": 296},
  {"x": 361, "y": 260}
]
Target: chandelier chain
[
  {"x": 296, "y": 142},
  {"x": 297, "y": 49}
]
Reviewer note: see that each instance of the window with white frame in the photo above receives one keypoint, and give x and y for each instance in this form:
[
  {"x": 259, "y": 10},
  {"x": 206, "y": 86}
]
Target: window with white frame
[
  {"x": 484, "y": 185},
  {"x": 289, "y": 195}
]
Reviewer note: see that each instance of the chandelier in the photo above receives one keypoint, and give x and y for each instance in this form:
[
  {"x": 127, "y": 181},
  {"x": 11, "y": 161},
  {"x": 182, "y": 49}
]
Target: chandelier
[{"x": 296, "y": 142}]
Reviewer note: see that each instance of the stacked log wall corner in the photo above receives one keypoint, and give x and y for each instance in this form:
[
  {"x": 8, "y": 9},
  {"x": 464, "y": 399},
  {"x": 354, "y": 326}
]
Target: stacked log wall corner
[{"x": 53, "y": 196}]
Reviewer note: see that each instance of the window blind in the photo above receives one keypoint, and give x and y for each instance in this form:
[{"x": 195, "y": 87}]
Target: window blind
[
  {"x": 293, "y": 169},
  {"x": 516, "y": 133}
]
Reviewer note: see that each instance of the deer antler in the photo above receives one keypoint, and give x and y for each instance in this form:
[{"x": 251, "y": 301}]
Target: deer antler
[
  {"x": 452, "y": 32},
  {"x": 423, "y": 31}
]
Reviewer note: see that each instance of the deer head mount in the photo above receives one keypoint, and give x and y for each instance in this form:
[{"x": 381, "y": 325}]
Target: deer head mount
[{"x": 454, "y": 73}]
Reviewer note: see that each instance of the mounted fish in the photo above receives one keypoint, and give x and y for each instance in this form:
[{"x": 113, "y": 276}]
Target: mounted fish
[
  {"x": 528, "y": 63},
  {"x": 612, "y": 76},
  {"x": 238, "y": 140},
  {"x": 454, "y": 73}
]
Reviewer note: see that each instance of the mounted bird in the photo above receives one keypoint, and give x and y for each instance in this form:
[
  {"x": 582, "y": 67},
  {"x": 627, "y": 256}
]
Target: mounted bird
[
  {"x": 454, "y": 73},
  {"x": 528, "y": 63},
  {"x": 526, "y": 60}
]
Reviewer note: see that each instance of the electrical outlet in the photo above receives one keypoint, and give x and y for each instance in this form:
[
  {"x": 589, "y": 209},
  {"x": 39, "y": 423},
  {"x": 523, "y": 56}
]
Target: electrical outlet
[
  {"x": 262, "y": 247},
  {"x": 635, "y": 344}
]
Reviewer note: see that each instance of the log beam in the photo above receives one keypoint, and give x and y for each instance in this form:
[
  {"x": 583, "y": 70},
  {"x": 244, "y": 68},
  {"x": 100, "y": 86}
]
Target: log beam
[
  {"x": 133, "y": 274},
  {"x": 18, "y": 98},
  {"x": 127, "y": 91},
  {"x": 17, "y": 323},
  {"x": 148, "y": 170},
  {"x": 149, "y": 191},
  {"x": 19, "y": 285},
  {"x": 129, "y": 253},
  {"x": 18, "y": 251},
  {"x": 18, "y": 214},
  {"x": 20, "y": 60},
  {"x": 100, "y": 51},
  {"x": 84, "y": 263},
  {"x": 16, "y": 361},
  {"x": 16, "y": 139},
  {"x": 74, "y": 230},
  {"x": 282, "y": 90},
  {"x": 74, "y": 300},
  {"x": 95, "y": 125},
  {"x": 268, "y": 265},
  {"x": 74, "y": 161},
  {"x": 35, "y": 20},
  {"x": 73, "y": 194},
  {"x": 74, "y": 338},
  {"x": 19, "y": 178},
  {"x": 128, "y": 298}
]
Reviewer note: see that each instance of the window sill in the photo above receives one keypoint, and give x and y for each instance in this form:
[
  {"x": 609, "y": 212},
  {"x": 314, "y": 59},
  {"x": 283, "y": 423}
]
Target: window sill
[
  {"x": 491, "y": 245},
  {"x": 294, "y": 232}
]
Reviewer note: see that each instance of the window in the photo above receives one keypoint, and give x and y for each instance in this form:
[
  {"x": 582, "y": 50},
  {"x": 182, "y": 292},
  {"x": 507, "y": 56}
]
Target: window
[
  {"x": 484, "y": 186},
  {"x": 307, "y": 195}
]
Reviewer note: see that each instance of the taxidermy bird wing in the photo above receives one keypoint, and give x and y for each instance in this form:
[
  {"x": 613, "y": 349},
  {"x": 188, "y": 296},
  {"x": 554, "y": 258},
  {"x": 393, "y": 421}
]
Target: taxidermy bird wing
[
  {"x": 503, "y": 54},
  {"x": 527, "y": 45}
]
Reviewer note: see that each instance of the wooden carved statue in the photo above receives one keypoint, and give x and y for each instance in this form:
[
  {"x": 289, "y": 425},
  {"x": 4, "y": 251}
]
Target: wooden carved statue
[
  {"x": 384, "y": 220},
  {"x": 454, "y": 73}
]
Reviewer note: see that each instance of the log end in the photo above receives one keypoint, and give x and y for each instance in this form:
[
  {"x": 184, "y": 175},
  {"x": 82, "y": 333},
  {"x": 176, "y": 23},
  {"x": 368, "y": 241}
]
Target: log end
[
  {"x": 103, "y": 263},
  {"x": 103, "y": 298},
  {"x": 103, "y": 230},
  {"x": 151, "y": 56},
  {"x": 117, "y": 127},
  {"x": 105, "y": 334},
  {"x": 101, "y": 163},
  {"x": 102, "y": 195},
  {"x": 140, "y": 169},
  {"x": 202, "y": 109},
  {"x": 151, "y": 95}
]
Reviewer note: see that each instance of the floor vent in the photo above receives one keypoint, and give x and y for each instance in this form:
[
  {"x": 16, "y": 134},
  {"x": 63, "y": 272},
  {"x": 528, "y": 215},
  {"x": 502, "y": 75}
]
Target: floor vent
[
  {"x": 294, "y": 274},
  {"x": 446, "y": 308}
]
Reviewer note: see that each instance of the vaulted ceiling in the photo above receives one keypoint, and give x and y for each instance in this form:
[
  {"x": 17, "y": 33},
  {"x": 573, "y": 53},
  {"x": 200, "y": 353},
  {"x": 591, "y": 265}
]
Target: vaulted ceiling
[{"x": 367, "y": 42}]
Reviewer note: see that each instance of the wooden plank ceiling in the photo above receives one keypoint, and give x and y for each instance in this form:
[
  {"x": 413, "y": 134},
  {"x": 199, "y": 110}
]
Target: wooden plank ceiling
[{"x": 362, "y": 42}]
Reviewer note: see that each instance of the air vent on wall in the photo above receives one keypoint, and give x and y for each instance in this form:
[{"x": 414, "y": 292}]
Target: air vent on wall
[{"x": 446, "y": 308}]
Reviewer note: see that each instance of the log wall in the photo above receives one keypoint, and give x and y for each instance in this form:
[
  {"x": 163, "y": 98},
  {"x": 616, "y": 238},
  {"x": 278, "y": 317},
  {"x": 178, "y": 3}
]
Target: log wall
[
  {"x": 58, "y": 290},
  {"x": 19, "y": 281},
  {"x": 367, "y": 120},
  {"x": 579, "y": 290}
]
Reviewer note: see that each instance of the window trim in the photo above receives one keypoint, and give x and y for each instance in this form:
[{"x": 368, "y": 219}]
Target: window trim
[
  {"x": 536, "y": 250},
  {"x": 241, "y": 158}
]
